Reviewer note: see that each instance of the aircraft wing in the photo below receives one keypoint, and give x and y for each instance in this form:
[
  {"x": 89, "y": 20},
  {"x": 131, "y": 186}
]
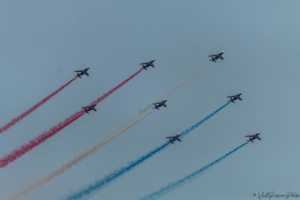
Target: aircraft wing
[
  {"x": 230, "y": 96},
  {"x": 86, "y": 73},
  {"x": 179, "y": 139},
  {"x": 240, "y": 98},
  {"x": 170, "y": 137},
  {"x": 258, "y": 138},
  {"x": 78, "y": 71},
  {"x": 249, "y": 136}
]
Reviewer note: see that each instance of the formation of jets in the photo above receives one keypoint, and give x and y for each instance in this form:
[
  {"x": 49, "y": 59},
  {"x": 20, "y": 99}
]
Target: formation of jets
[
  {"x": 216, "y": 56},
  {"x": 157, "y": 105},
  {"x": 82, "y": 72},
  {"x": 232, "y": 98},
  {"x": 89, "y": 108}
]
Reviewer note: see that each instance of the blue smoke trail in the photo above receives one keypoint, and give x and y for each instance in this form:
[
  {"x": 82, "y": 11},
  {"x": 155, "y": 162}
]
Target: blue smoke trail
[
  {"x": 172, "y": 186},
  {"x": 99, "y": 184},
  {"x": 203, "y": 120},
  {"x": 115, "y": 174}
]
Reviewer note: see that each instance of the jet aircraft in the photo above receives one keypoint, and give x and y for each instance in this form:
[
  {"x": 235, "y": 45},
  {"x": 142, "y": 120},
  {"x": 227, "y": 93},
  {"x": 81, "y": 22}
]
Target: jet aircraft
[
  {"x": 216, "y": 56},
  {"x": 172, "y": 139},
  {"x": 157, "y": 105},
  {"x": 253, "y": 137},
  {"x": 147, "y": 64},
  {"x": 235, "y": 97},
  {"x": 89, "y": 108},
  {"x": 82, "y": 72}
]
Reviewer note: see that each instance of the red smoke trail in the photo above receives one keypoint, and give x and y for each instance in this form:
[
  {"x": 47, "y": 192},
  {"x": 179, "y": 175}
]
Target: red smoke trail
[
  {"x": 115, "y": 88},
  {"x": 30, "y": 110},
  {"x": 38, "y": 140},
  {"x": 43, "y": 137}
]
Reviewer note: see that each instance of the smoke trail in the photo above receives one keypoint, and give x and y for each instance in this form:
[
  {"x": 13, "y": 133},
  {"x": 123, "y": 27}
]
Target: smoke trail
[
  {"x": 174, "y": 88},
  {"x": 172, "y": 186},
  {"x": 99, "y": 184},
  {"x": 142, "y": 111},
  {"x": 33, "y": 108},
  {"x": 203, "y": 120},
  {"x": 115, "y": 174},
  {"x": 115, "y": 88},
  {"x": 4, "y": 161},
  {"x": 43, "y": 137},
  {"x": 69, "y": 164}
]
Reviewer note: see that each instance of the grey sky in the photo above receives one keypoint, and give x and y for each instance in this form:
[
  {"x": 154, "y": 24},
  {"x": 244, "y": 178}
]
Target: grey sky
[{"x": 42, "y": 42}]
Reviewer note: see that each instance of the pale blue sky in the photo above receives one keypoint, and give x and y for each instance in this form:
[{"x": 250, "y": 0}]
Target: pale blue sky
[{"x": 43, "y": 42}]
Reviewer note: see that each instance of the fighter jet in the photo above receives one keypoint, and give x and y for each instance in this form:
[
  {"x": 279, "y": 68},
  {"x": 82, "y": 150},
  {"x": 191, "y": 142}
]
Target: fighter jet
[
  {"x": 82, "y": 72},
  {"x": 235, "y": 97},
  {"x": 160, "y": 104},
  {"x": 89, "y": 108},
  {"x": 253, "y": 137},
  {"x": 147, "y": 64},
  {"x": 174, "y": 138},
  {"x": 216, "y": 56}
]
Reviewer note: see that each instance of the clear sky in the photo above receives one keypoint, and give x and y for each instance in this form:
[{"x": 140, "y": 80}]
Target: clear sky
[{"x": 43, "y": 42}]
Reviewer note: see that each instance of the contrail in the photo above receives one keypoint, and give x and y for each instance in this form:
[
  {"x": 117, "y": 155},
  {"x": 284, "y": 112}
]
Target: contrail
[
  {"x": 4, "y": 161},
  {"x": 143, "y": 110},
  {"x": 99, "y": 184},
  {"x": 174, "y": 88},
  {"x": 187, "y": 131},
  {"x": 174, "y": 185},
  {"x": 69, "y": 164},
  {"x": 115, "y": 174},
  {"x": 33, "y": 108},
  {"x": 46, "y": 135},
  {"x": 115, "y": 88}
]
